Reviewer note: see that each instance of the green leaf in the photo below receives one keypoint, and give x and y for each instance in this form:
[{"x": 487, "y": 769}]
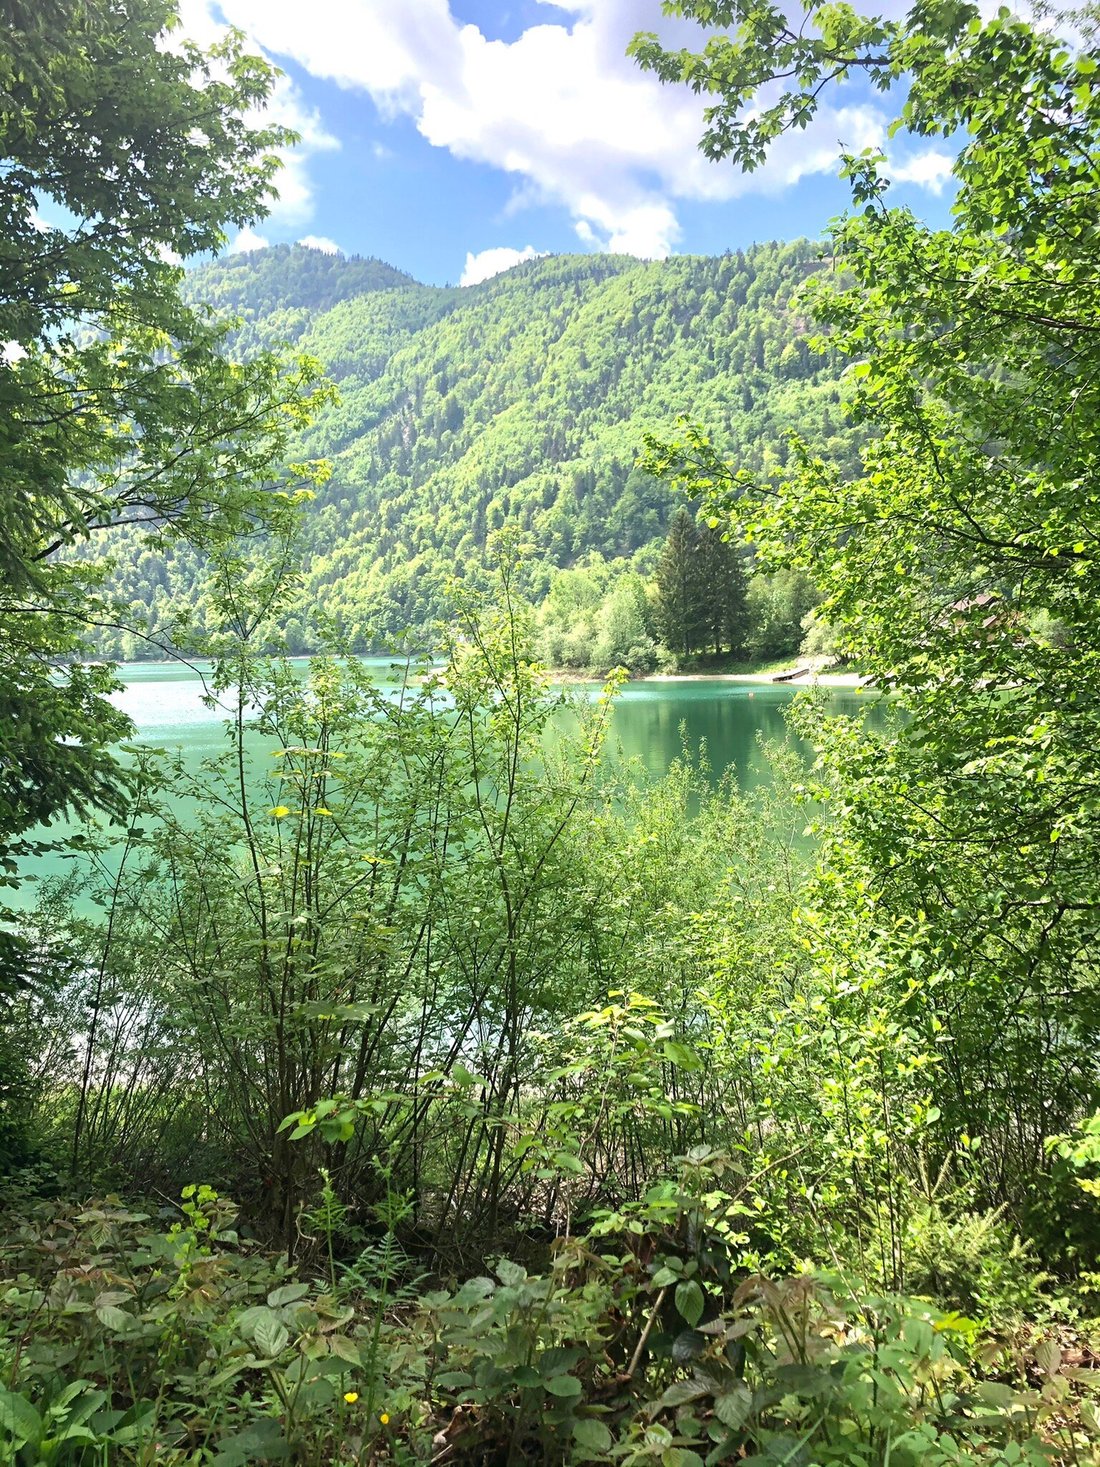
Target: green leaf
[
  {"x": 19, "y": 1418},
  {"x": 732, "y": 1407},
  {"x": 262, "y": 1442},
  {"x": 345, "y": 1349},
  {"x": 511, "y": 1274},
  {"x": 271, "y": 1336},
  {"x": 287, "y": 1294},
  {"x": 249, "y": 1318},
  {"x": 114, "y": 1318},
  {"x": 69, "y": 1433},
  {"x": 564, "y": 1386},
  {"x": 230, "y": 1372},
  {"x": 682, "y": 1391},
  {"x": 680, "y": 1055},
  {"x": 593, "y": 1436},
  {"x": 688, "y": 1345},
  {"x": 567, "y": 1162},
  {"x": 689, "y": 1301},
  {"x": 451, "y": 1380}
]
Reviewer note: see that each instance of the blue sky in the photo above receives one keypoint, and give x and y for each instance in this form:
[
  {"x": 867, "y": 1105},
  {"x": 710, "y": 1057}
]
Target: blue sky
[{"x": 453, "y": 137}]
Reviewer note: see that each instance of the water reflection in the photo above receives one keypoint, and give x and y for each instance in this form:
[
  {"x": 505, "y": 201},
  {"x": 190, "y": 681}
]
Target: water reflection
[{"x": 652, "y": 723}]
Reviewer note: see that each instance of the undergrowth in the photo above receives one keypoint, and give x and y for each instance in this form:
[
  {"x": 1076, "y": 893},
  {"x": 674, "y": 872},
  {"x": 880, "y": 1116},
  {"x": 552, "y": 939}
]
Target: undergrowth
[{"x": 135, "y": 1338}]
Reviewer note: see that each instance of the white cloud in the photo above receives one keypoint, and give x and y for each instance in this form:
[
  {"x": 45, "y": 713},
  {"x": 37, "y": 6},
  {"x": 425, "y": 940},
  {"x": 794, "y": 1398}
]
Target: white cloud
[
  {"x": 492, "y": 262},
  {"x": 319, "y": 242},
  {"x": 294, "y": 189},
  {"x": 929, "y": 170},
  {"x": 561, "y": 108},
  {"x": 647, "y": 230},
  {"x": 292, "y": 200},
  {"x": 247, "y": 241}
]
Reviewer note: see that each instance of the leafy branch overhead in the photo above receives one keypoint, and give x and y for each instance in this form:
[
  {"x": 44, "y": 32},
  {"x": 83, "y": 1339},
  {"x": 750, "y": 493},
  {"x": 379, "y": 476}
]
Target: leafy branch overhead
[
  {"x": 960, "y": 562},
  {"x": 120, "y": 405}
]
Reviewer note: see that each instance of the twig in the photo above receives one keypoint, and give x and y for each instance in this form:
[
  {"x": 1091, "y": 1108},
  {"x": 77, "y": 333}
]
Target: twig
[{"x": 653, "y": 1313}]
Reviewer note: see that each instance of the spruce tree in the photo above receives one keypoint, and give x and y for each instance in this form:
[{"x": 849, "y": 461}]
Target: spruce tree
[
  {"x": 724, "y": 591},
  {"x": 682, "y": 601}
]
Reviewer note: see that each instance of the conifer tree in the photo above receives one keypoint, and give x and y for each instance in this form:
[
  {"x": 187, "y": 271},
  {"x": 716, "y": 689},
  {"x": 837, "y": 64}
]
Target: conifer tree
[
  {"x": 682, "y": 603},
  {"x": 724, "y": 590}
]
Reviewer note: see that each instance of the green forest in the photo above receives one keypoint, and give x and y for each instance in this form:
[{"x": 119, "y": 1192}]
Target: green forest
[
  {"x": 521, "y": 401},
  {"x": 415, "y": 1081}
]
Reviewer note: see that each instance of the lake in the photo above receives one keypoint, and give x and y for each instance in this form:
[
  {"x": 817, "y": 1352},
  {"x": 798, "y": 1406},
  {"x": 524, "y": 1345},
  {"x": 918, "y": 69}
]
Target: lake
[
  {"x": 728, "y": 715},
  {"x": 165, "y": 702}
]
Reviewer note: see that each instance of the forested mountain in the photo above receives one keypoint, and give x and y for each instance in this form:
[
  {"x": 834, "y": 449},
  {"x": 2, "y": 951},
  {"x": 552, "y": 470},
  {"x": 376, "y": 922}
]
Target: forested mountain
[
  {"x": 523, "y": 399},
  {"x": 277, "y": 292}
]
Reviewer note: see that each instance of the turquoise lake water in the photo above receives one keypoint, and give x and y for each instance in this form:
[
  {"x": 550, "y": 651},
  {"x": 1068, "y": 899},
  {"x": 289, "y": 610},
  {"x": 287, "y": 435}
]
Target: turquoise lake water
[
  {"x": 165, "y": 702},
  {"x": 649, "y": 723}
]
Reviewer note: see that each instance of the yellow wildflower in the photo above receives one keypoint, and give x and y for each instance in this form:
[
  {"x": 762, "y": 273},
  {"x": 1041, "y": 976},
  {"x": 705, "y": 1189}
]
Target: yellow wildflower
[
  {"x": 351, "y": 1397},
  {"x": 385, "y": 1418}
]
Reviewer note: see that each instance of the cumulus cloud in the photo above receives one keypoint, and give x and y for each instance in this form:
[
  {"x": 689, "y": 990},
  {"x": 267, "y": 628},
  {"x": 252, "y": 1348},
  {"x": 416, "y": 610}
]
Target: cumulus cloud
[
  {"x": 561, "y": 108},
  {"x": 930, "y": 170},
  {"x": 492, "y": 262},
  {"x": 247, "y": 241},
  {"x": 293, "y": 203},
  {"x": 320, "y": 242},
  {"x": 292, "y": 199},
  {"x": 648, "y": 230}
]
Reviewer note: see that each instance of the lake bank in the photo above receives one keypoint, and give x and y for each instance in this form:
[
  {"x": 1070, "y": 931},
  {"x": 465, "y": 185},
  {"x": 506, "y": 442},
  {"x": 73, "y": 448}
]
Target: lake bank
[
  {"x": 770, "y": 674},
  {"x": 856, "y": 681}
]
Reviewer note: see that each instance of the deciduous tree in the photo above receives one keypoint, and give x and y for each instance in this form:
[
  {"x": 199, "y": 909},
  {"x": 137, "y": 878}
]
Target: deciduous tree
[
  {"x": 124, "y": 150},
  {"x": 975, "y": 359}
]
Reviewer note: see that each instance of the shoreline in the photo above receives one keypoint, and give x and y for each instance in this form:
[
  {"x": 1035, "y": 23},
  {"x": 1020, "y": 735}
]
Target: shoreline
[
  {"x": 811, "y": 680},
  {"x": 824, "y": 679},
  {"x": 571, "y": 676}
]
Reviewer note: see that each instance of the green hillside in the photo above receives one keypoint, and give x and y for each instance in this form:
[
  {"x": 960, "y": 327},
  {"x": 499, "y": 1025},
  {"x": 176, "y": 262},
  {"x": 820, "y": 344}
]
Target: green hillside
[
  {"x": 276, "y": 292},
  {"x": 522, "y": 399}
]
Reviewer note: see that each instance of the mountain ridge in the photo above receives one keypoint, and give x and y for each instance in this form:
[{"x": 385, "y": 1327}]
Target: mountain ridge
[{"x": 521, "y": 399}]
